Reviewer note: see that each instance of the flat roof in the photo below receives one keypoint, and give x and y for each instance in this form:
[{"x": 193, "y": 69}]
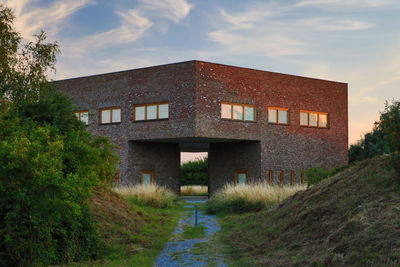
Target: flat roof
[{"x": 194, "y": 61}]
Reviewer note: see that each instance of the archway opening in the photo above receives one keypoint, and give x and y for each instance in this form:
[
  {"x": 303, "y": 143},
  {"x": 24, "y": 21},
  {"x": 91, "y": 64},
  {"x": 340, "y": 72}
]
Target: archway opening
[{"x": 194, "y": 177}]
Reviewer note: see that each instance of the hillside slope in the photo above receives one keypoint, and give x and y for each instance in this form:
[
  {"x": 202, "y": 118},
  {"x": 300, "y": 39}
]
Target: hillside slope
[
  {"x": 352, "y": 218},
  {"x": 117, "y": 221}
]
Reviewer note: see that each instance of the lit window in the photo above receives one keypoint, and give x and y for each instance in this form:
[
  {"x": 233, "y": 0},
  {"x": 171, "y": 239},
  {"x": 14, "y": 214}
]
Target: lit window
[
  {"x": 240, "y": 177},
  {"x": 248, "y": 113},
  {"x": 153, "y": 111},
  {"x": 237, "y": 112},
  {"x": 278, "y": 115},
  {"x": 83, "y": 115},
  {"x": 241, "y": 112},
  {"x": 163, "y": 111},
  {"x": 147, "y": 177},
  {"x": 140, "y": 113},
  {"x": 110, "y": 115},
  {"x": 304, "y": 118},
  {"x": 314, "y": 119},
  {"x": 226, "y": 111}
]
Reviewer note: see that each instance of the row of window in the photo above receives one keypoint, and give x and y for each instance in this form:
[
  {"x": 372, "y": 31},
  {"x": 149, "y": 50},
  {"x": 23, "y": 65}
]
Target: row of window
[
  {"x": 244, "y": 112},
  {"x": 230, "y": 111},
  {"x": 141, "y": 112}
]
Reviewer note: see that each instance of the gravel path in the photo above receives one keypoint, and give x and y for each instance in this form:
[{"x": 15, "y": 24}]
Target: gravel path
[{"x": 182, "y": 252}]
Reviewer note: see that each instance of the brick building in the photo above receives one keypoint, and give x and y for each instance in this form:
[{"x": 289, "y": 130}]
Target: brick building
[{"x": 255, "y": 125}]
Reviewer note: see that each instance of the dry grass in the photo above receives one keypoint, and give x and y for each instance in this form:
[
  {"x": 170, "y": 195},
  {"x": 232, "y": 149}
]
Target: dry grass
[
  {"x": 194, "y": 190},
  {"x": 350, "y": 219},
  {"x": 153, "y": 195},
  {"x": 249, "y": 197}
]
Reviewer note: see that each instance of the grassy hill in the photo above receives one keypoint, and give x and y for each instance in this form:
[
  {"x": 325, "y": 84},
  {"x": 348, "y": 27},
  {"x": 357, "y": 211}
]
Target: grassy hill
[
  {"x": 133, "y": 234},
  {"x": 352, "y": 218}
]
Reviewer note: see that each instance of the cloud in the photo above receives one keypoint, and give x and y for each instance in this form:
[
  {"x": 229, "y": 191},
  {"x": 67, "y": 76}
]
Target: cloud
[
  {"x": 132, "y": 27},
  {"x": 174, "y": 10},
  {"x": 272, "y": 30},
  {"x": 332, "y": 24},
  {"x": 356, "y": 3},
  {"x": 263, "y": 43},
  {"x": 31, "y": 19}
]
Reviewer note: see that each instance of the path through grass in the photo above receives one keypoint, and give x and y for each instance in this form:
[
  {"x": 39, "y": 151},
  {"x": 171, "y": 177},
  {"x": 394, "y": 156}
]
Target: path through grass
[{"x": 190, "y": 245}]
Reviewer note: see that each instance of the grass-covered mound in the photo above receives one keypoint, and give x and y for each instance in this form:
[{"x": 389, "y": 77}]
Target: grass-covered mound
[
  {"x": 116, "y": 220},
  {"x": 132, "y": 233},
  {"x": 352, "y": 218}
]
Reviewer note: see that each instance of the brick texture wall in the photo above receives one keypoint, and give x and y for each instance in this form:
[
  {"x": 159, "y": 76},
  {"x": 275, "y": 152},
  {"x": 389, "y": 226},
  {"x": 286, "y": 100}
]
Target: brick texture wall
[{"x": 194, "y": 90}]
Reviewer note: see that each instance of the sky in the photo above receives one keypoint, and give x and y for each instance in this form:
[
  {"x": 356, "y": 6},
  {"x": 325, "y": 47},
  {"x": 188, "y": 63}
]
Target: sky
[{"x": 352, "y": 41}]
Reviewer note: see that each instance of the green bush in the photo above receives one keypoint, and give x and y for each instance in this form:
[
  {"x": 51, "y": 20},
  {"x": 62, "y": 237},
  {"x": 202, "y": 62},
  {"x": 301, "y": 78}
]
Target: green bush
[
  {"x": 48, "y": 161},
  {"x": 46, "y": 175},
  {"x": 390, "y": 125},
  {"x": 194, "y": 172},
  {"x": 317, "y": 174}
]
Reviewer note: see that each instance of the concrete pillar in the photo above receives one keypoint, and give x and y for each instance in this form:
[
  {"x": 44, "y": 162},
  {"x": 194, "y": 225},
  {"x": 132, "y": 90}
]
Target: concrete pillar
[
  {"x": 162, "y": 158},
  {"x": 225, "y": 158}
]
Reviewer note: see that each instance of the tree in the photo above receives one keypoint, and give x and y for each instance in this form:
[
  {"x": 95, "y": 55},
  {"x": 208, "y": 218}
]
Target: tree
[
  {"x": 372, "y": 144},
  {"x": 23, "y": 67},
  {"x": 48, "y": 161},
  {"x": 195, "y": 172},
  {"x": 390, "y": 126}
]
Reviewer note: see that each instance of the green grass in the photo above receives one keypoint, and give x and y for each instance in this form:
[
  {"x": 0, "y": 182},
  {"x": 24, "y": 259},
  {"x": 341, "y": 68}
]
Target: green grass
[
  {"x": 193, "y": 232},
  {"x": 347, "y": 220},
  {"x": 143, "y": 247}
]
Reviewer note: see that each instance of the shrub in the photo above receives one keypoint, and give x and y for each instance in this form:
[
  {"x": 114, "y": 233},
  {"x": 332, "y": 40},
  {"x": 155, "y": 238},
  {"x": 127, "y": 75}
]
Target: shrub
[
  {"x": 390, "y": 125},
  {"x": 194, "y": 190},
  {"x": 152, "y": 194},
  {"x": 48, "y": 162},
  {"x": 249, "y": 197},
  {"x": 194, "y": 172}
]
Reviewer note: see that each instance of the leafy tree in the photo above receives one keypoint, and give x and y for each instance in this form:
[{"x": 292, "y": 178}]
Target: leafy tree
[
  {"x": 390, "y": 125},
  {"x": 372, "y": 144},
  {"x": 384, "y": 138},
  {"x": 195, "y": 172},
  {"x": 48, "y": 161}
]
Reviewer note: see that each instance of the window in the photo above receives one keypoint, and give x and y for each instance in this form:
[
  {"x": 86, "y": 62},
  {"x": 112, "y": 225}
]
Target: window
[
  {"x": 110, "y": 115},
  {"x": 83, "y": 115},
  {"x": 240, "y": 177},
  {"x": 147, "y": 177},
  {"x": 154, "y": 111},
  {"x": 241, "y": 112},
  {"x": 313, "y": 119},
  {"x": 278, "y": 115}
]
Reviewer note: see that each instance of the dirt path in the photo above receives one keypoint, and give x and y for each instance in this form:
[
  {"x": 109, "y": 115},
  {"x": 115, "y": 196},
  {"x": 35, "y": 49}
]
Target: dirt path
[{"x": 189, "y": 245}]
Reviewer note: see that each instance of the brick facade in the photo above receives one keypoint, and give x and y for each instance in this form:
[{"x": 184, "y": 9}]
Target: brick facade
[{"x": 194, "y": 91}]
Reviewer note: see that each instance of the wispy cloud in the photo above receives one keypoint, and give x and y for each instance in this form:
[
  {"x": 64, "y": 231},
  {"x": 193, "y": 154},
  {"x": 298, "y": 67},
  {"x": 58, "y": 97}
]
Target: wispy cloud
[
  {"x": 263, "y": 43},
  {"x": 174, "y": 10},
  {"x": 272, "y": 30},
  {"x": 356, "y": 3},
  {"x": 132, "y": 27},
  {"x": 30, "y": 19},
  {"x": 333, "y": 24}
]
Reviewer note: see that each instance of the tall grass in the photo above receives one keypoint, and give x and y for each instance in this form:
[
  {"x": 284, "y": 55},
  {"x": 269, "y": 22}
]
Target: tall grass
[
  {"x": 249, "y": 197},
  {"x": 194, "y": 190},
  {"x": 153, "y": 195}
]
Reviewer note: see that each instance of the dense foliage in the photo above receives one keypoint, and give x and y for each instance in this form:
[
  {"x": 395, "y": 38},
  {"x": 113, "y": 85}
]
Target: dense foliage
[
  {"x": 372, "y": 144},
  {"x": 194, "y": 172},
  {"x": 48, "y": 162},
  {"x": 390, "y": 126},
  {"x": 384, "y": 138},
  {"x": 317, "y": 174}
]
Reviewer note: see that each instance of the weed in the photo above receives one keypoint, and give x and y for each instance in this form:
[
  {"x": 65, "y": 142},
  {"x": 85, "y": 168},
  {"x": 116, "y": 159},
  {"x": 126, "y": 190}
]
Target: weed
[
  {"x": 153, "y": 195},
  {"x": 194, "y": 190},
  {"x": 249, "y": 197}
]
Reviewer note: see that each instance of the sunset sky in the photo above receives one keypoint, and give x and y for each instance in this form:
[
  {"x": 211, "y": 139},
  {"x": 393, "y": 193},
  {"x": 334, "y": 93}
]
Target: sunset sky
[{"x": 352, "y": 41}]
